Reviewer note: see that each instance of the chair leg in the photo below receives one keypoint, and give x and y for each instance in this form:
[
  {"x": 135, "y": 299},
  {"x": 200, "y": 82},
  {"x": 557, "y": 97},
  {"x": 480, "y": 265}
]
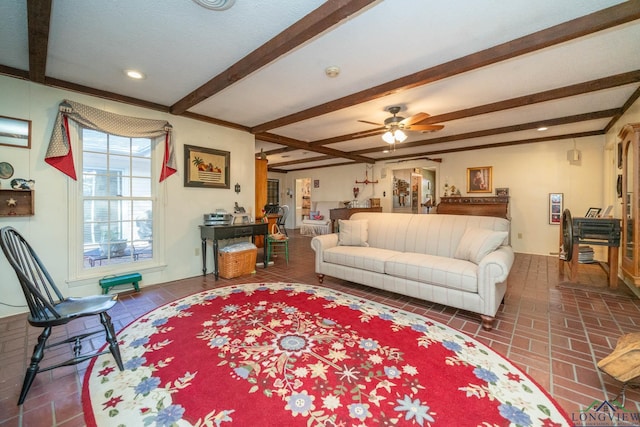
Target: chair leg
[
  {"x": 105, "y": 319},
  {"x": 267, "y": 247},
  {"x": 34, "y": 367},
  {"x": 286, "y": 251}
]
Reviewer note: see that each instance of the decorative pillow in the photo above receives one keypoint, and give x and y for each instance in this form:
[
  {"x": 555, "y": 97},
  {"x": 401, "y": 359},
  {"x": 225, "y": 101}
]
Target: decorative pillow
[
  {"x": 313, "y": 214},
  {"x": 476, "y": 243},
  {"x": 353, "y": 232},
  {"x": 319, "y": 217}
]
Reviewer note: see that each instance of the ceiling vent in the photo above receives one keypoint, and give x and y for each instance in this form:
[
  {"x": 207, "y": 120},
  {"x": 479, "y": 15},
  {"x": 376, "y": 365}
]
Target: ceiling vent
[{"x": 215, "y": 4}]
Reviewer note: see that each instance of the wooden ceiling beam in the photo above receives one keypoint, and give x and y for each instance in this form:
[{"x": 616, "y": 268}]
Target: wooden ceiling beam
[
  {"x": 349, "y": 137},
  {"x": 211, "y": 120},
  {"x": 549, "y": 95},
  {"x": 632, "y": 99},
  {"x": 567, "y": 91},
  {"x": 290, "y": 142},
  {"x": 279, "y": 151},
  {"x": 324, "y": 17},
  {"x": 579, "y": 27},
  {"x": 38, "y": 19},
  {"x": 49, "y": 81},
  {"x": 310, "y": 167},
  {"x": 501, "y": 144},
  {"x": 501, "y": 130},
  {"x": 14, "y": 72},
  {"x": 300, "y": 161},
  {"x": 469, "y": 148}
]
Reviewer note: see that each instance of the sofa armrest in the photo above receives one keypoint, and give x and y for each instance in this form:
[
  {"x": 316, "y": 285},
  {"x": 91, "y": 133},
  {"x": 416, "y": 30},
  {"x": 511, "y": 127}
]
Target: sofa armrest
[
  {"x": 321, "y": 243},
  {"x": 496, "y": 265}
]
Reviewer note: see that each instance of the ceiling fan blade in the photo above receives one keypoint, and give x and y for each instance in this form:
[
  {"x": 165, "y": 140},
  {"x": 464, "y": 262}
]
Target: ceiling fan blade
[
  {"x": 371, "y": 123},
  {"x": 415, "y": 119},
  {"x": 427, "y": 128},
  {"x": 364, "y": 134}
]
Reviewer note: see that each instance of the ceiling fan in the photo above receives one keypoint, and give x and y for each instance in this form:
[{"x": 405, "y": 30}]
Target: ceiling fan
[{"x": 396, "y": 125}]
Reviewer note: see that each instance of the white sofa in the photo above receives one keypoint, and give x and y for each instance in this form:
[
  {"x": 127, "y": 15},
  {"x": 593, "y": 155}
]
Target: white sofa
[
  {"x": 457, "y": 260},
  {"x": 314, "y": 227}
]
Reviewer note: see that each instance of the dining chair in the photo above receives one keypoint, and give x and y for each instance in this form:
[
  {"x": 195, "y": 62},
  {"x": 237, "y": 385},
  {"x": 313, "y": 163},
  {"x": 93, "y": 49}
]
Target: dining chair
[
  {"x": 283, "y": 212},
  {"x": 277, "y": 243},
  {"x": 49, "y": 308}
]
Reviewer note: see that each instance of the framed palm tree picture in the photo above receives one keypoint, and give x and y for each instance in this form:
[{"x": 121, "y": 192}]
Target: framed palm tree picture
[{"x": 206, "y": 167}]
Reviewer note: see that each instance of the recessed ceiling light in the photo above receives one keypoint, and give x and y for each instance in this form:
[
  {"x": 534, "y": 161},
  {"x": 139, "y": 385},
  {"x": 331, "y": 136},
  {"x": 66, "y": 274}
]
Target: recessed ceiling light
[
  {"x": 137, "y": 75},
  {"x": 542, "y": 128}
]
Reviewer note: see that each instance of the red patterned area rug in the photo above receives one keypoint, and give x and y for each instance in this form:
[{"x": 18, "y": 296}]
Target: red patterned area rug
[{"x": 289, "y": 354}]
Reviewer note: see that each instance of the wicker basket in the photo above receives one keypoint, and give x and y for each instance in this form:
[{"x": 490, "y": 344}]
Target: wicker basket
[{"x": 235, "y": 264}]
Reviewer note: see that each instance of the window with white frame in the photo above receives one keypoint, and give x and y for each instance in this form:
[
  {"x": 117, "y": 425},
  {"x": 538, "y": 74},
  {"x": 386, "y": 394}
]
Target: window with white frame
[{"x": 117, "y": 199}]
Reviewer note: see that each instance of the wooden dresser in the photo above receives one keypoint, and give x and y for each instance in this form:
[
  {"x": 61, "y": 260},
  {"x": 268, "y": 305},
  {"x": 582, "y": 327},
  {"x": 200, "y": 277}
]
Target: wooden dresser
[
  {"x": 345, "y": 213},
  {"x": 497, "y": 206}
]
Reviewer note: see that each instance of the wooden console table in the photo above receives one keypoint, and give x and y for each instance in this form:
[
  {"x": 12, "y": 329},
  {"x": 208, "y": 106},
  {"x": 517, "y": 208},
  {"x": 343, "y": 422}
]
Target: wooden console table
[
  {"x": 345, "y": 213},
  {"x": 497, "y": 206},
  {"x": 222, "y": 232}
]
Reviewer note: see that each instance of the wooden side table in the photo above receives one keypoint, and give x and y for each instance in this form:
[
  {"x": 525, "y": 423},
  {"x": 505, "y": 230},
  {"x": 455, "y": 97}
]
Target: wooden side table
[{"x": 591, "y": 231}]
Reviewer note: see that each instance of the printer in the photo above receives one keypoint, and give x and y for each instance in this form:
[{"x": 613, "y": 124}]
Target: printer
[{"x": 218, "y": 218}]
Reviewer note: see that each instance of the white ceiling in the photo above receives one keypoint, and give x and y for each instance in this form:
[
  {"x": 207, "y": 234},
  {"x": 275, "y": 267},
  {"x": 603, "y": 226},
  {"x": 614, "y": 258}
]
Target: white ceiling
[{"x": 181, "y": 46}]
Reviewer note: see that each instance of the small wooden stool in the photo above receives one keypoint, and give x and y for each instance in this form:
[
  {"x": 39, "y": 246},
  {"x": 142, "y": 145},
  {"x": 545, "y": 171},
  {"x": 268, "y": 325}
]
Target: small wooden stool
[
  {"x": 108, "y": 282},
  {"x": 623, "y": 363}
]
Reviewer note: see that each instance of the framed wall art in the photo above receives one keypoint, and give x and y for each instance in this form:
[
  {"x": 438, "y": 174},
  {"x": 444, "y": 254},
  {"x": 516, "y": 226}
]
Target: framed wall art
[
  {"x": 502, "y": 191},
  {"x": 206, "y": 167},
  {"x": 15, "y": 132},
  {"x": 479, "y": 179},
  {"x": 593, "y": 213},
  {"x": 555, "y": 208}
]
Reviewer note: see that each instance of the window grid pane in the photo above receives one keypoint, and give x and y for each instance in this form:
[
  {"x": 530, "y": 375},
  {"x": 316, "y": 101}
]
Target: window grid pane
[
  {"x": 117, "y": 192},
  {"x": 273, "y": 191}
]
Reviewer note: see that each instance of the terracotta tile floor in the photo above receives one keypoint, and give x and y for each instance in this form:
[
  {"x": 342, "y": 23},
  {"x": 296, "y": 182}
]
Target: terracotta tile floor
[{"x": 554, "y": 331}]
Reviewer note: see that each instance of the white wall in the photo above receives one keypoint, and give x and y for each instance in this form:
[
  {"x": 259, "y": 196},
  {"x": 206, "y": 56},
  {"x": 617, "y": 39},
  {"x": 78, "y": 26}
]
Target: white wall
[
  {"x": 530, "y": 171},
  {"x": 47, "y": 230}
]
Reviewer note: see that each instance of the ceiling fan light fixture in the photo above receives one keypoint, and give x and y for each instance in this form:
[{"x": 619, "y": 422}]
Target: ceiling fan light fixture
[
  {"x": 388, "y": 137},
  {"x": 399, "y": 136},
  {"x": 393, "y": 136}
]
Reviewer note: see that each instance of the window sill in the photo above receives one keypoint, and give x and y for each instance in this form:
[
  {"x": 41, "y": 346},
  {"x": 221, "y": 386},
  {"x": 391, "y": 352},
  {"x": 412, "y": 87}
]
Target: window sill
[{"x": 92, "y": 276}]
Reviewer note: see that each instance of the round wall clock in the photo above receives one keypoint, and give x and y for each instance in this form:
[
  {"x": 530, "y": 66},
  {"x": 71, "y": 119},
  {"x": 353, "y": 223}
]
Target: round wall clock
[{"x": 6, "y": 170}]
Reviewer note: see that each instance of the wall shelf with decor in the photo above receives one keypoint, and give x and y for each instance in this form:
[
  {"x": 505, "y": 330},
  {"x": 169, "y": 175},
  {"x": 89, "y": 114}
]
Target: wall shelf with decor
[{"x": 17, "y": 202}]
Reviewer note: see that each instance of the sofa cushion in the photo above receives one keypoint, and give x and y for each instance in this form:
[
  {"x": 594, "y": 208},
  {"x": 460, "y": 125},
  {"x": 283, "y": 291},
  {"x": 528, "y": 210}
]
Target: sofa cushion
[
  {"x": 434, "y": 270},
  {"x": 353, "y": 232},
  {"x": 364, "y": 258},
  {"x": 476, "y": 243}
]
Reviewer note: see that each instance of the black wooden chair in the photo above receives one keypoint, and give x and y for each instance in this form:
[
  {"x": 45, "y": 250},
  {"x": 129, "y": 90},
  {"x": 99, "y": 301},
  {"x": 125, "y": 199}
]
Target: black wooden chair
[
  {"x": 49, "y": 308},
  {"x": 283, "y": 212}
]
